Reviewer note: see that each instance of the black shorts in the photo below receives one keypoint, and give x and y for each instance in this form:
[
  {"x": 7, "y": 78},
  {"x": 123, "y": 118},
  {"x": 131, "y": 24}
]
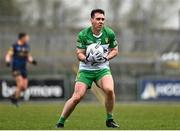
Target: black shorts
[{"x": 16, "y": 72}]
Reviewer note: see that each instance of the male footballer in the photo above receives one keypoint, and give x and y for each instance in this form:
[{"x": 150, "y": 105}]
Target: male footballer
[
  {"x": 99, "y": 73},
  {"x": 17, "y": 57}
]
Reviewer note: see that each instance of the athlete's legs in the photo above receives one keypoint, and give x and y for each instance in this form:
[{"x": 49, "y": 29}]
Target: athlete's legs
[
  {"x": 19, "y": 86},
  {"x": 25, "y": 84},
  {"x": 106, "y": 83},
  {"x": 79, "y": 92}
]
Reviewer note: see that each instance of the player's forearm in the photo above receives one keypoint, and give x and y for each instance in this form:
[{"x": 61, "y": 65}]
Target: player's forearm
[
  {"x": 81, "y": 56},
  {"x": 113, "y": 53},
  {"x": 30, "y": 58},
  {"x": 8, "y": 58}
]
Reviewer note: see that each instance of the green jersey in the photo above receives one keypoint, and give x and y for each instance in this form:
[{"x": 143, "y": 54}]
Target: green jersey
[{"x": 106, "y": 39}]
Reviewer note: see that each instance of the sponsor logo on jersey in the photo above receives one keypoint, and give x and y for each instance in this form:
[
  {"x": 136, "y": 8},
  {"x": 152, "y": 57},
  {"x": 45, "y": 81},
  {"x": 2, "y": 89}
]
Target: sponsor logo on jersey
[
  {"x": 90, "y": 41},
  {"x": 18, "y": 48},
  {"x": 106, "y": 40}
]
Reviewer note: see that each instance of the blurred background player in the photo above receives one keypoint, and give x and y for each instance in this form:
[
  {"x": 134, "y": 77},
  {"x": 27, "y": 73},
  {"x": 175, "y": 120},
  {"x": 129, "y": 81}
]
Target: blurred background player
[
  {"x": 100, "y": 72},
  {"x": 17, "y": 57}
]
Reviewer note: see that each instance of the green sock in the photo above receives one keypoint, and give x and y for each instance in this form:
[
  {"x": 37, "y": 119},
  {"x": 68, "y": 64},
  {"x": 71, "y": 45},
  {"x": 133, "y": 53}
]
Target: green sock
[
  {"x": 61, "y": 120},
  {"x": 109, "y": 116}
]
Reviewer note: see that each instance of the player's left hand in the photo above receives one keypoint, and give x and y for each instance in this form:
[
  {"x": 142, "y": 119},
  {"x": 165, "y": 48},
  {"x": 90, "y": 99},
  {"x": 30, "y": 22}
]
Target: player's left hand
[
  {"x": 100, "y": 58},
  {"x": 34, "y": 62},
  {"x": 8, "y": 64}
]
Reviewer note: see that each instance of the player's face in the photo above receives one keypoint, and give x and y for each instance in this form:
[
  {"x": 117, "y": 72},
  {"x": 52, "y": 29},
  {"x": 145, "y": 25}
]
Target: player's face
[
  {"x": 98, "y": 21},
  {"x": 25, "y": 39}
]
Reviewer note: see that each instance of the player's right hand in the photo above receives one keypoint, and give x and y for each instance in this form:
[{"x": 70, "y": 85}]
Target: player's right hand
[
  {"x": 93, "y": 58},
  {"x": 89, "y": 58}
]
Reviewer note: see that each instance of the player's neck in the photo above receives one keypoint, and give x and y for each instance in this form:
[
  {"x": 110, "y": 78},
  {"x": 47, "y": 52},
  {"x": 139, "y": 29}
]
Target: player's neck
[
  {"x": 19, "y": 42},
  {"x": 96, "y": 32}
]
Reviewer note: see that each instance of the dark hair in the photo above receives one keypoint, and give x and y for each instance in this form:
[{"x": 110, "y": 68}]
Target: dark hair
[
  {"x": 21, "y": 35},
  {"x": 93, "y": 12}
]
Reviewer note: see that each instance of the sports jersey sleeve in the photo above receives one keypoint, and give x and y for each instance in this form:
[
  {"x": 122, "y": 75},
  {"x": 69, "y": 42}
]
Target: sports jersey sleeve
[
  {"x": 113, "y": 42},
  {"x": 11, "y": 50},
  {"x": 80, "y": 41}
]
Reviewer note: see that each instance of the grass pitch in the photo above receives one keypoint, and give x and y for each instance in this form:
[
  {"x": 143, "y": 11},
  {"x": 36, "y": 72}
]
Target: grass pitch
[{"x": 90, "y": 116}]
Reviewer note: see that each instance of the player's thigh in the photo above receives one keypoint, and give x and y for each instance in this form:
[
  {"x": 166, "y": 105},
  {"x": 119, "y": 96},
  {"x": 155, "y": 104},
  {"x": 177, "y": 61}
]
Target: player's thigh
[
  {"x": 19, "y": 80},
  {"x": 106, "y": 83},
  {"x": 85, "y": 77},
  {"x": 80, "y": 89}
]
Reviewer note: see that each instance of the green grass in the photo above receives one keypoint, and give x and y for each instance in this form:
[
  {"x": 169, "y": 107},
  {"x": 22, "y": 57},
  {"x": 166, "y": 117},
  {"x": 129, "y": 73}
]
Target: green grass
[{"x": 90, "y": 116}]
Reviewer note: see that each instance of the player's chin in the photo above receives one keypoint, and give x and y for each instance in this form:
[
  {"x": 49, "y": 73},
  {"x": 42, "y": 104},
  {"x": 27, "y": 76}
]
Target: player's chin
[{"x": 99, "y": 27}]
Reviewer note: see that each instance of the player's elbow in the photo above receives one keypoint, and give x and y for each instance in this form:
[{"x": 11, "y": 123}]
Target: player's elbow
[
  {"x": 78, "y": 57},
  {"x": 81, "y": 56},
  {"x": 76, "y": 98},
  {"x": 116, "y": 52}
]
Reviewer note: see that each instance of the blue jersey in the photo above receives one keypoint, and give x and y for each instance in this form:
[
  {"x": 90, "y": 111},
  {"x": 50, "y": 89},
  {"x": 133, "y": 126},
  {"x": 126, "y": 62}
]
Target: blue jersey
[{"x": 20, "y": 56}]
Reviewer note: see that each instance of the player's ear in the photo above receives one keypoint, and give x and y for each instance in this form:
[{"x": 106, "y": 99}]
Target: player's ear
[{"x": 91, "y": 19}]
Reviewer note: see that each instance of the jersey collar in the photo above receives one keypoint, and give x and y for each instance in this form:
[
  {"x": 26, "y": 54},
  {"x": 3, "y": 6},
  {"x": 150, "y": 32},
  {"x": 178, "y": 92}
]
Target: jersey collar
[{"x": 97, "y": 36}]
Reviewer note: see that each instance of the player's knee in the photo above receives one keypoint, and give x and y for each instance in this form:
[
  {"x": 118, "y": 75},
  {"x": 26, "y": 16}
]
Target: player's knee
[
  {"x": 20, "y": 85},
  {"x": 110, "y": 92},
  {"x": 23, "y": 88},
  {"x": 76, "y": 98}
]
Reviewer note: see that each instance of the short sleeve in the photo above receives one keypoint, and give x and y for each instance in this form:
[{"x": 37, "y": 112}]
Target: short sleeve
[
  {"x": 80, "y": 42},
  {"x": 11, "y": 50},
  {"x": 113, "y": 42}
]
